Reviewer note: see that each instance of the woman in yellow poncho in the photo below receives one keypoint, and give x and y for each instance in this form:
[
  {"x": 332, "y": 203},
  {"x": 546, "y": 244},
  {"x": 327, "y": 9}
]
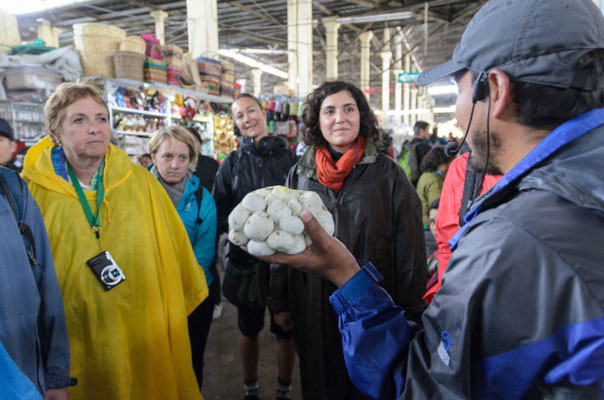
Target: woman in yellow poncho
[{"x": 125, "y": 265}]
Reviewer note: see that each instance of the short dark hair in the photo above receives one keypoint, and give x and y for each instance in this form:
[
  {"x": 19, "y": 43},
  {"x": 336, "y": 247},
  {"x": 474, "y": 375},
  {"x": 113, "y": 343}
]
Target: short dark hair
[
  {"x": 433, "y": 159},
  {"x": 419, "y": 125},
  {"x": 311, "y": 128},
  {"x": 248, "y": 96},
  {"x": 434, "y": 205},
  {"x": 547, "y": 107}
]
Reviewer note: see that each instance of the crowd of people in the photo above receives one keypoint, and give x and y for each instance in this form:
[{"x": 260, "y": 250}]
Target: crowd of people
[{"x": 112, "y": 281}]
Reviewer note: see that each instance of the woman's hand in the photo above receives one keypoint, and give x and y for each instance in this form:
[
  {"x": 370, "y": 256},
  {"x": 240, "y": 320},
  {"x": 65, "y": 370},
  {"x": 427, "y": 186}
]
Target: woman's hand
[{"x": 326, "y": 256}]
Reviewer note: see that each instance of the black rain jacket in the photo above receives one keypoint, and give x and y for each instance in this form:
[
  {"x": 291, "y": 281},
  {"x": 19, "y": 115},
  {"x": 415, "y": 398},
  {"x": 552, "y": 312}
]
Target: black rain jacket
[{"x": 378, "y": 217}]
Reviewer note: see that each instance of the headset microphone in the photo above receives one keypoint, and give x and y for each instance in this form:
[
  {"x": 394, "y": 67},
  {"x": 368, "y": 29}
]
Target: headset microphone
[{"x": 478, "y": 93}]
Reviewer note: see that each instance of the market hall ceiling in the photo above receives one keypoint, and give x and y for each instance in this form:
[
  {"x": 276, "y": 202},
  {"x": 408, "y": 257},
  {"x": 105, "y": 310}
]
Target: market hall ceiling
[{"x": 261, "y": 24}]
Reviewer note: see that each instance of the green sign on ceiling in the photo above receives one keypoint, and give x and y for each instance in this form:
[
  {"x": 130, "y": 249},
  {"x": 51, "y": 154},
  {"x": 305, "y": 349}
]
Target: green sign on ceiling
[{"x": 407, "y": 77}]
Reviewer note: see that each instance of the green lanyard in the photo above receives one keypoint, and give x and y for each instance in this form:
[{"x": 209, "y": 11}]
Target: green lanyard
[{"x": 100, "y": 193}]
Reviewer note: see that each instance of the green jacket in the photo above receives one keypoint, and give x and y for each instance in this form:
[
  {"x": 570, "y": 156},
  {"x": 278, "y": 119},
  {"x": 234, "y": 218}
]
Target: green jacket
[{"x": 429, "y": 187}]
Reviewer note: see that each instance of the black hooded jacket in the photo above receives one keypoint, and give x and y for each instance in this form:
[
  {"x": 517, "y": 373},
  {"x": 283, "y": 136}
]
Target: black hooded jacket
[
  {"x": 247, "y": 169},
  {"x": 378, "y": 217}
]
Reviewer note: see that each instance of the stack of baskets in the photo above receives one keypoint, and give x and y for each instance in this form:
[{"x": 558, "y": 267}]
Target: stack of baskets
[
  {"x": 154, "y": 68},
  {"x": 96, "y": 43},
  {"x": 173, "y": 55},
  {"x": 227, "y": 79},
  {"x": 130, "y": 58},
  {"x": 209, "y": 72}
]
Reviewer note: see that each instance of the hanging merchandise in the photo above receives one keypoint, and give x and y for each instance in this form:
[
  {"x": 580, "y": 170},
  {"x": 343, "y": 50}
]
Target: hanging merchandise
[{"x": 189, "y": 109}]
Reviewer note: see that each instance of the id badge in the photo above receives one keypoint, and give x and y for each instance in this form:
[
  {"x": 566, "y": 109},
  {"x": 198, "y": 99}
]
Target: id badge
[{"x": 106, "y": 270}]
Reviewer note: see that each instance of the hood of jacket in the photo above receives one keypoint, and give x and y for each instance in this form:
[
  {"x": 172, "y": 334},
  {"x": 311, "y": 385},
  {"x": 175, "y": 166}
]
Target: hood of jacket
[
  {"x": 307, "y": 165},
  {"x": 266, "y": 147},
  {"x": 38, "y": 168}
]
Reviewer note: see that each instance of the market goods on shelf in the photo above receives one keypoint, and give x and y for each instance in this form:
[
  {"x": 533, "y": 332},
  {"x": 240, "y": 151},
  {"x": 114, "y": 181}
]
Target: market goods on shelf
[{"x": 267, "y": 220}]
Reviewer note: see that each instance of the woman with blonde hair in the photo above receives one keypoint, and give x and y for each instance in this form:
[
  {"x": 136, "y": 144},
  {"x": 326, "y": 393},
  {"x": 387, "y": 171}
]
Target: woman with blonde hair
[
  {"x": 126, "y": 269},
  {"x": 174, "y": 151}
]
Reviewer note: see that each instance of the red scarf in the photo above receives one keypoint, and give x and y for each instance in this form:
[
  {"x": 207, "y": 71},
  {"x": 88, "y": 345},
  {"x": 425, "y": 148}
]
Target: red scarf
[{"x": 331, "y": 173}]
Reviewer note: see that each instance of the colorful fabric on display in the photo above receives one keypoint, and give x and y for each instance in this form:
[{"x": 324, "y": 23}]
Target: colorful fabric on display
[
  {"x": 331, "y": 173},
  {"x": 130, "y": 342}
]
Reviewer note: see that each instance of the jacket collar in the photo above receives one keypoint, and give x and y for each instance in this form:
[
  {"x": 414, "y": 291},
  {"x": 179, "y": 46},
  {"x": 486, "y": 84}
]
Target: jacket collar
[
  {"x": 307, "y": 166},
  {"x": 266, "y": 147},
  {"x": 528, "y": 173}
]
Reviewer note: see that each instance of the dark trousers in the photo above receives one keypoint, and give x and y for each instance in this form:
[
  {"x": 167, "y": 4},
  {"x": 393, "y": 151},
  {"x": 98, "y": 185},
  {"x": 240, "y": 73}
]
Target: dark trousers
[{"x": 199, "y": 328}]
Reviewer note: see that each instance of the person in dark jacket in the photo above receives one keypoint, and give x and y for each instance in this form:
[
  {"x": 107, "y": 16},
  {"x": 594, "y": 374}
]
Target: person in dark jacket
[
  {"x": 35, "y": 345},
  {"x": 520, "y": 312},
  {"x": 262, "y": 160},
  {"x": 174, "y": 151},
  {"x": 377, "y": 215}
]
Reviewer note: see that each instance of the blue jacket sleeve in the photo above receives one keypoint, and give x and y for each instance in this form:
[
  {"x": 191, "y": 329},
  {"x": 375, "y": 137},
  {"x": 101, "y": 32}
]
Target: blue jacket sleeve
[
  {"x": 205, "y": 236},
  {"x": 375, "y": 334},
  {"x": 57, "y": 344}
]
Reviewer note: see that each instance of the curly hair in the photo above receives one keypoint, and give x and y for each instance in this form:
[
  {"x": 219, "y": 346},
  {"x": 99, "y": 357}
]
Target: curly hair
[
  {"x": 311, "y": 128},
  {"x": 433, "y": 159}
]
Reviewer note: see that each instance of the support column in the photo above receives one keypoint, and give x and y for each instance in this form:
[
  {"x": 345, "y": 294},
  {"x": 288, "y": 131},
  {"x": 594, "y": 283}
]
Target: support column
[
  {"x": 202, "y": 25},
  {"x": 48, "y": 34},
  {"x": 160, "y": 32},
  {"x": 331, "y": 39},
  {"x": 407, "y": 94},
  {"x": 386, "y": 57},
  {"x": 257, "y": 79},
  {"x": 398, "y": 68},
  {"x": 413, "y": 116},
  {"x": 292, "y": 45},
  {"x": 365, "y": 38},
  {"x": 304, "y": 47}
]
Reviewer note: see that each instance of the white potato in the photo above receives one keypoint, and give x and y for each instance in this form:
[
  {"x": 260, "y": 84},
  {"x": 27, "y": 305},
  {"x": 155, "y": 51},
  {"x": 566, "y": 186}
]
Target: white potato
[
  {"x": 326, "y": 220},
  {"x": 281, "y": 241},
  {"x": 291, "y": 224},
  {"x": 259, "y": 249},
  {"x": 237, "y": 237},
  {"x": 312, "y": 202},
  {"x": 254, "y": 202},
  {"x": 307, "y": 239},
  {"x": 263, "y": 192},
  {"x": 278, "y": 210},
  {"x": 295, "y": 206},
  {"x": 271, "y": 198},
  {"x": 258, "y": 226},
  {"x": 298, "y": 247},
  {"x": 237, "y": 217}
]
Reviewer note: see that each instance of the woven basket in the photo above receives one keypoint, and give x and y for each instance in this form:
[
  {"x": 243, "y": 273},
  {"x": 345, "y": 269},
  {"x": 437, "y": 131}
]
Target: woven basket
[
  {"x": 173, "y": 56},
  {"x": 129, "y": 65},
  {"x": 96, "y": 43},
  {"x": 155, "y": 70},
  {"x": 134, "y": 44}
]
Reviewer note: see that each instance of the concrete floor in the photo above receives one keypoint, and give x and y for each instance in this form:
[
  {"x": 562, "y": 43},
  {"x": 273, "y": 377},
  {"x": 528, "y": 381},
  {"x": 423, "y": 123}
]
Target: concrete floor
[{"x": 222, "y": 370}]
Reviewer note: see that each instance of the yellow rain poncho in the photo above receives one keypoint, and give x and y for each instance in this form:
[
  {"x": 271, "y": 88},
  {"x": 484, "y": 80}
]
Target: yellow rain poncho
[{"x": 130, "y": 342}]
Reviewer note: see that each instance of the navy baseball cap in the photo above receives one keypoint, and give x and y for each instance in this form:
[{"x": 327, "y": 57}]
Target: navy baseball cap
[
  {"x": 533, "y": 41},
  {"x": 6, "y": 130}
]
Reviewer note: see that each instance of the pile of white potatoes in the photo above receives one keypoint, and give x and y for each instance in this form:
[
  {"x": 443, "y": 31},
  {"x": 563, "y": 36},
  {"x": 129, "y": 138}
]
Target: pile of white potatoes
[{"x": 267, "y": 220}]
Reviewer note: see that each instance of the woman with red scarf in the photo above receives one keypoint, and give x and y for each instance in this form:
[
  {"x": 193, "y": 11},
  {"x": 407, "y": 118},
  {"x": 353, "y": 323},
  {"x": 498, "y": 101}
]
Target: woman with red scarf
[{"x": 377, "y": 216}]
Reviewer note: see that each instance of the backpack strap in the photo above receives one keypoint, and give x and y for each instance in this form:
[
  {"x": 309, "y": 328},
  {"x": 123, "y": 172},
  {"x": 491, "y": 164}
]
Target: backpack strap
[
  {"x": 471, "y": 189},
  {"x": 198, "y": 197}
]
